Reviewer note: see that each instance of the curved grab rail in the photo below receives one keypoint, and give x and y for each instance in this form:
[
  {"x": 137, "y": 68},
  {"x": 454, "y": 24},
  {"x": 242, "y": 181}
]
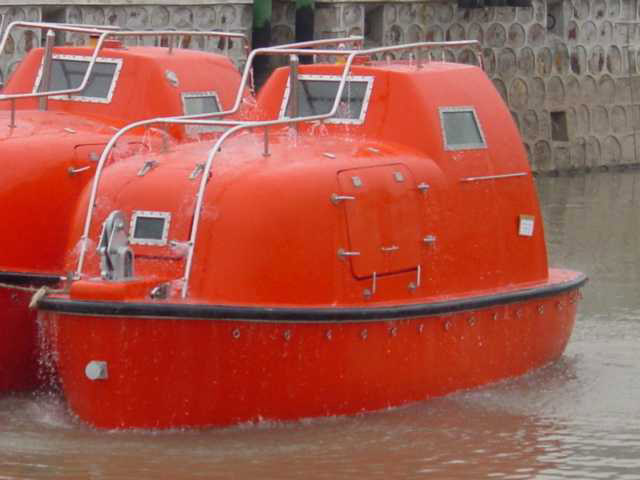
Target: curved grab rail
[
  {"x": 102, "y": 32},
  {"x": 236, "y": 126},
  {"x": 57, "y": 27}
]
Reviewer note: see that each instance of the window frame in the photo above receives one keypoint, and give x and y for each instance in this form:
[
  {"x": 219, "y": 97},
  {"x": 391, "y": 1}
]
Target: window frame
[
  {"x": 199, "y": 94},
  {"x": 463, "y": 146},
  {"x": 133, "y": 240},
  {"x": 82, "y": 98},
  {"x": 198, "y": 129},
  {"x": 335, "y": 78}
]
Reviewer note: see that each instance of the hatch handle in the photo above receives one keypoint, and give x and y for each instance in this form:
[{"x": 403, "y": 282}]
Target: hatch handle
[
  {"x": 424, "y": 187},
  {"x": 392, "y": 248},
  {"x": 72, "y": 171},
  {"x": 342, "y": 253},
  {"x": 335, "y": 198}
]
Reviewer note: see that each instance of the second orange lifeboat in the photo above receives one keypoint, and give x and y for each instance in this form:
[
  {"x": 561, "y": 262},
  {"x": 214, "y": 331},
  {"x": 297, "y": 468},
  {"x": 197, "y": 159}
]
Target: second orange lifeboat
[{"x": 52, "y": 132}]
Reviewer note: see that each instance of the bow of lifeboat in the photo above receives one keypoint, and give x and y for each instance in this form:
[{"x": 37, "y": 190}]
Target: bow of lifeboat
[
  {"x": 393, "y": 254},
  {"x": 49, "y": 153},
  {"x": 47, "y": 160}
]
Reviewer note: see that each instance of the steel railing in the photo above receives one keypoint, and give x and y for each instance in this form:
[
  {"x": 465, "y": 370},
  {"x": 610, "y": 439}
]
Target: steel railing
[
  {"x": 102, "y": 33},
  {"x": 236, "y": 126}
]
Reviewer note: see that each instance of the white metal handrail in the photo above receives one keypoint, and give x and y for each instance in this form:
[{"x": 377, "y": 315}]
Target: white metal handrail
[
  {"x": 102, "y": 33},
  {"x": 236, "y": 126}
]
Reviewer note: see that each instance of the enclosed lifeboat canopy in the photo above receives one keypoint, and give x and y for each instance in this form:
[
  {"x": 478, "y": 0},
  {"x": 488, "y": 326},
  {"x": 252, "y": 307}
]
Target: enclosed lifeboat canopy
[
  {"x": 323, "y": 260},
  {"x": 50, "y": 144}
]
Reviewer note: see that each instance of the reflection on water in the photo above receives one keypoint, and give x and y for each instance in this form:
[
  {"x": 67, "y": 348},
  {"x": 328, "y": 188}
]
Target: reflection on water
[{"x": 578, "y": 418}]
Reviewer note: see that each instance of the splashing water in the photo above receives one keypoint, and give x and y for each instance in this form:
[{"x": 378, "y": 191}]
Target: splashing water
[
  {"x": 319, "y": 129},
  {"x": 292, "y": 136},
  {"x": 47, "y": 334}
]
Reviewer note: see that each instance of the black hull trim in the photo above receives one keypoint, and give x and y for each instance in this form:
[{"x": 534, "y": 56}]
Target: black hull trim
[
  {"x": 29, "y": 279},
  {"x": 224, "y": 312}
]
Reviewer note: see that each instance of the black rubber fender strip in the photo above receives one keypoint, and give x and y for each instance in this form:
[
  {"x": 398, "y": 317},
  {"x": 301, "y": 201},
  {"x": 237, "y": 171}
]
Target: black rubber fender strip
[
  {"x": 29, "y": 279},
  {"x": 299, "y": 314}
]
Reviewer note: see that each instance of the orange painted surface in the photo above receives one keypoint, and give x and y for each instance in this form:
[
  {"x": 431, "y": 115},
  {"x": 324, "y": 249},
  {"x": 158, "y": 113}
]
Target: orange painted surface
[
  {"x": 270, "y": 238},
  {"x": 39, "y": 188},
  {"x": 18, "y": 339},
  {"x": 167, "y": 373}
]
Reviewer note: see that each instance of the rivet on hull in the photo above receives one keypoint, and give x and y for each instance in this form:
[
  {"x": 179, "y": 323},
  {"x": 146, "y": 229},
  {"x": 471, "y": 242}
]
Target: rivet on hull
[
  {"x": 495, "y": 316},
  {"x": 328, "y": 335},
  {"x": 540, "y": 309},
  {"x": 235, "y": 333},
  {"x": 471, "y": 321},
  {"x": 519, "y": 313},
  {"x": 420, "y": 328},
  {"x": 447, "y": 325},
  {"x": 364, "y": 334},
  {"x": 393, "y": 331},
  {"x": 286, "y": 335}
]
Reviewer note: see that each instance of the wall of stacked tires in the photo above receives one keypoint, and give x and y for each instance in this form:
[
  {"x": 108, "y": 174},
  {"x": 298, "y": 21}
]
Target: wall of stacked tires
[{"x": 568, "y": 69}]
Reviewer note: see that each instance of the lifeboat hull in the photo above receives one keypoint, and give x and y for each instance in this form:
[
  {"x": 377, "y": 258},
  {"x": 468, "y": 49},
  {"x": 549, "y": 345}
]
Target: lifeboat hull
[
  {"x": 166, "y": 372},
  {"x": 18, "y": 342}
]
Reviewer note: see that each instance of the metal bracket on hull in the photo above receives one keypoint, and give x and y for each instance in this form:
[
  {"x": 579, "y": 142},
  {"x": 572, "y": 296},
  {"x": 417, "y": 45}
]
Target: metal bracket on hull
[
  {"x": 335, "y": 198},
  {"x": 72, "y": 171},
  {"x": 423, "y": 187},
  {"x": 116, "y": 258},
  {"x": 413, "y": 286},
  {"x": 429, "y": 239},
  {"x": 370, "y": 292},
  {"x": 342, "y": 253},
  {"x": 148, "y": 165}
]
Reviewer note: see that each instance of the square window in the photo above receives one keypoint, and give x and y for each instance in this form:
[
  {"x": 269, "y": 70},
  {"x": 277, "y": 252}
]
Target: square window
[
  {"x": 149, "y": 228},
  {"x": 197, "y": 103},
  {"x": 461, "y": 129}
]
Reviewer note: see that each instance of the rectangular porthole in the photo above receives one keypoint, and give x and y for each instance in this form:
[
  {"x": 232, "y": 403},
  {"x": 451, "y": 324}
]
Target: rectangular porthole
[
  {"x": 461, "y": 129},
  {"x": 195, "y": 103},
  {"x": 317, "y": 93},
  {"x": 149, "y": 228},
  {"x": 68, "y": 71}
]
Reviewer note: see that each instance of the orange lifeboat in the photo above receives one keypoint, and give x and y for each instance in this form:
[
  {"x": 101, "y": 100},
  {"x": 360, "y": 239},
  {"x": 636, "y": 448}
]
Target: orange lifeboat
[
  {"x": 371, "y": 238},
  {"x": 57, "y": 112}
]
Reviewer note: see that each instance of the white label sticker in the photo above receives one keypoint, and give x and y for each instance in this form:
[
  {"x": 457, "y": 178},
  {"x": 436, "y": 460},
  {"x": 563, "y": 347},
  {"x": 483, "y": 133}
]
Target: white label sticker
[{"x": 525, "y": 227}]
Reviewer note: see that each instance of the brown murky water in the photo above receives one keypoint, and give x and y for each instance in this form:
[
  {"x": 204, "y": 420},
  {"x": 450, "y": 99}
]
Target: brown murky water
[{"x": 578, "y": 418}]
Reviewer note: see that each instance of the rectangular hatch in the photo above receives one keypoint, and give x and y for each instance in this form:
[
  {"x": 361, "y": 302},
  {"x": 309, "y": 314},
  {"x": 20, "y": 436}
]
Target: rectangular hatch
[{"x": 384, "y": 219}]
